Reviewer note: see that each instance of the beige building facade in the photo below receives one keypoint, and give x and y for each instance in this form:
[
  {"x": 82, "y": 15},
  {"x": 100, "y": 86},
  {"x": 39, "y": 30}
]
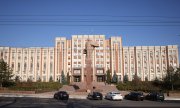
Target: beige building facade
[{"x": 35, "y": 63}]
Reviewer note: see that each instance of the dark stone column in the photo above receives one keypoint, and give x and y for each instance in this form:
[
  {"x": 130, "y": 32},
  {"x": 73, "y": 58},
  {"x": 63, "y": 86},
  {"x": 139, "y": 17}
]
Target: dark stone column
[{"x": 89, "y": 73}]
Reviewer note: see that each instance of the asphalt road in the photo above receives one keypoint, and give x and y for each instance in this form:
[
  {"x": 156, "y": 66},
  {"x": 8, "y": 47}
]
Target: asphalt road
[{"x": 9, "y": 102}]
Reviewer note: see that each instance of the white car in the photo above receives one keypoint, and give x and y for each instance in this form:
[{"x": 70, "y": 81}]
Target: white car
[{"x": 114, "y": 96}]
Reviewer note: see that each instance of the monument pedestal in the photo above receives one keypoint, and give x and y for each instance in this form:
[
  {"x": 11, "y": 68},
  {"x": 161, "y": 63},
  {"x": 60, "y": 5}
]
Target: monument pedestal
[
  {"x": 89, "y": 47},
  {"x": 89, "y": 74}
]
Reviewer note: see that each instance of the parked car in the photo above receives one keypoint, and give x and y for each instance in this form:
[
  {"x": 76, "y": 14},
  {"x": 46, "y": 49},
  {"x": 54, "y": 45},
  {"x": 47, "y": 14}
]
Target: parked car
[
  {"x": 95, "y": 95},
  {"x": 138, "y": 96},
  {"x": 62, "y": 95},
  {"x": 155, "y": 96},
  {"x": 114, "y": 96}
]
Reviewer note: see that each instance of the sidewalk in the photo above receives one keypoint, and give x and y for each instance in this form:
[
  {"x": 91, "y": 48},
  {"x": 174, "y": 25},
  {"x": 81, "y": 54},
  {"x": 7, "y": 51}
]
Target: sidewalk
[
  {"x": 42, "y": 95},
  {"x": 77, "y": 95}
]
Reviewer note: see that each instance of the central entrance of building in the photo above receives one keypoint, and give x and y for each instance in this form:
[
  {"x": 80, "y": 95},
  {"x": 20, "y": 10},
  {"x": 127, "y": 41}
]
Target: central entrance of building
[
  {"x": 100, "y": 78},
  {"x": 77, "y": 78}
]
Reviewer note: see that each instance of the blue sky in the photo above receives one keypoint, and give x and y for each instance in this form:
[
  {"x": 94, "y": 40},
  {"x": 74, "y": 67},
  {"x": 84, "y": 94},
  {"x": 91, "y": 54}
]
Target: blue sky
[{"x": 36, "y": 23}]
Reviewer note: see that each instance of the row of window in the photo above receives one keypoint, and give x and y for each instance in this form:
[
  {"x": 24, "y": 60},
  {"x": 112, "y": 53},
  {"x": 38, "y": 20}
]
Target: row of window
[{"x": 31, "y": 66}]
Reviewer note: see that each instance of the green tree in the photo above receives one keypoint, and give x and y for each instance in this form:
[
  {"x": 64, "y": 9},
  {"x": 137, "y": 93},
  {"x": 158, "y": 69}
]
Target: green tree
[
  {"x": 5, "y": 72},
  {"x": 29, "y": 80},
  {"x": 136, "y": 82},
  {"x": 172, "y": 79},
  {"x": 17, "y": 79},
  {"x": 68, "y": 78},
  {"x": 114, "y": 78},
  {"x": 125, "y": 79},
  {"x": 146, "y": 79},
  {"x": 50, "y": 79},
  {"x": 157, "y": 82},
  {"x": 136, "y": 79},
  {"x": 108, "y": 79},
  {"x": 167, "y": 80},
  {"x": 63, "y": 78},
  {"x": 176, "y": 79},
  {"x": 39, "y": 79}
]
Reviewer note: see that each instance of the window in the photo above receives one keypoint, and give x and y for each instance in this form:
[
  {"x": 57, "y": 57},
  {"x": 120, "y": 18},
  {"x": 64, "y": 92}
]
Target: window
[
  {"x": 99, "y": 71},
  {"x": 5, "y": 57},
  {"x": 58, "y": 43},
  {"x": 25, "y": 52},
  {"x": 75, "y": 51},
  {"x": 31, "y": 67},
  {"x": 157, "y": 61},
  {"x": 31, "y": 59},
  {"x": 75, "y": 57},
  {"x": 25, "y": 66},
  {"x": 175, "y": 59},
  {"x": 1, "y": 54},
  {"x": 158, "y": 69},
  {"x": 13, "y": 56},
  {"x": 37, "y": 66},
  {"x": 79, "y": 51},
  {"x": 19, "y": 57},
  {"x": 12, "y": 65},
  {"x": 77, "y": 71},
  {"x": 174, "y": 52},
  {"x": 25, "y": 58},
  {"x": 44, "y": 66},
  {"x": 19, "y": 66},
  {"x": 44, "y": 78},
  {"x": 51, "y": 67}
]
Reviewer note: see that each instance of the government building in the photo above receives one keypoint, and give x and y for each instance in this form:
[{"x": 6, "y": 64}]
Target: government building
[{"x": 45, "y": 63}]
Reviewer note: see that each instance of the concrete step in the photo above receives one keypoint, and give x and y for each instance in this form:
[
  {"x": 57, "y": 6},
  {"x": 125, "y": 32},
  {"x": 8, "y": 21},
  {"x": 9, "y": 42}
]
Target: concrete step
[
  {"x": 99, "y": 86},
  {"x": 107, "y": 88},
  {"x": 67, "y": 88},
  {"x": 79, "y": 85}
]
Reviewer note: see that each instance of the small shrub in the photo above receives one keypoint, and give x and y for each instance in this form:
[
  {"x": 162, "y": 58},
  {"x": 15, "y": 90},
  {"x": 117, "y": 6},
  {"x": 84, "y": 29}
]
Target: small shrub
[
  {"x": 142, "y": 86},
  {"x": 37, "y": 86},
  {"x": 8, "y": 84}
]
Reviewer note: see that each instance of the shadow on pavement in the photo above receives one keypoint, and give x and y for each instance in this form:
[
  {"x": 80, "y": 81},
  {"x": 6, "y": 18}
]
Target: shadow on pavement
[{"x": 13, "y": 102}]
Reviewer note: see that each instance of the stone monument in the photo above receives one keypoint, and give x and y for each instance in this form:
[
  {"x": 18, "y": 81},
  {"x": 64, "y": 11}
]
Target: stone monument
[{"x": 89, "y": 47}]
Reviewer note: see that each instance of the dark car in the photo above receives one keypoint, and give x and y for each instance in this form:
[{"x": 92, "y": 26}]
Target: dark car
[
  {"x": 155, "y": 96},
  {"x": 138, "y": 96},
  {"x": 95, "y": 95},
  {"x": 62, "y": 95}
]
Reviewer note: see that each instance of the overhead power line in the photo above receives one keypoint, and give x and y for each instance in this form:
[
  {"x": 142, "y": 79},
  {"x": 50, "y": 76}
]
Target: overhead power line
[
  {"x": 86, "y": 21},
  {"x": 87, "y": 25},
  {"x": 126, "y": 21},
  {"x": 89, "y": 15}
]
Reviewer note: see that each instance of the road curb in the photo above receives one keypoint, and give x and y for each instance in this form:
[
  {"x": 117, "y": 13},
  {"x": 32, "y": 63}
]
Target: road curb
[
  {"x": 171, "y": 98},
  {"x": 77, "y": 97},
  {"x": 51, "y": 96},
  {"x": 42, "y": 96}
]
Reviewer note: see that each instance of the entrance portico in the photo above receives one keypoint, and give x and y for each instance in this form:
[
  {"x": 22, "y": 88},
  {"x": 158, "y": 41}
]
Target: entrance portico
[
  {"x": 100, "y": 75},
  {"x": 76, "y": 76}
]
